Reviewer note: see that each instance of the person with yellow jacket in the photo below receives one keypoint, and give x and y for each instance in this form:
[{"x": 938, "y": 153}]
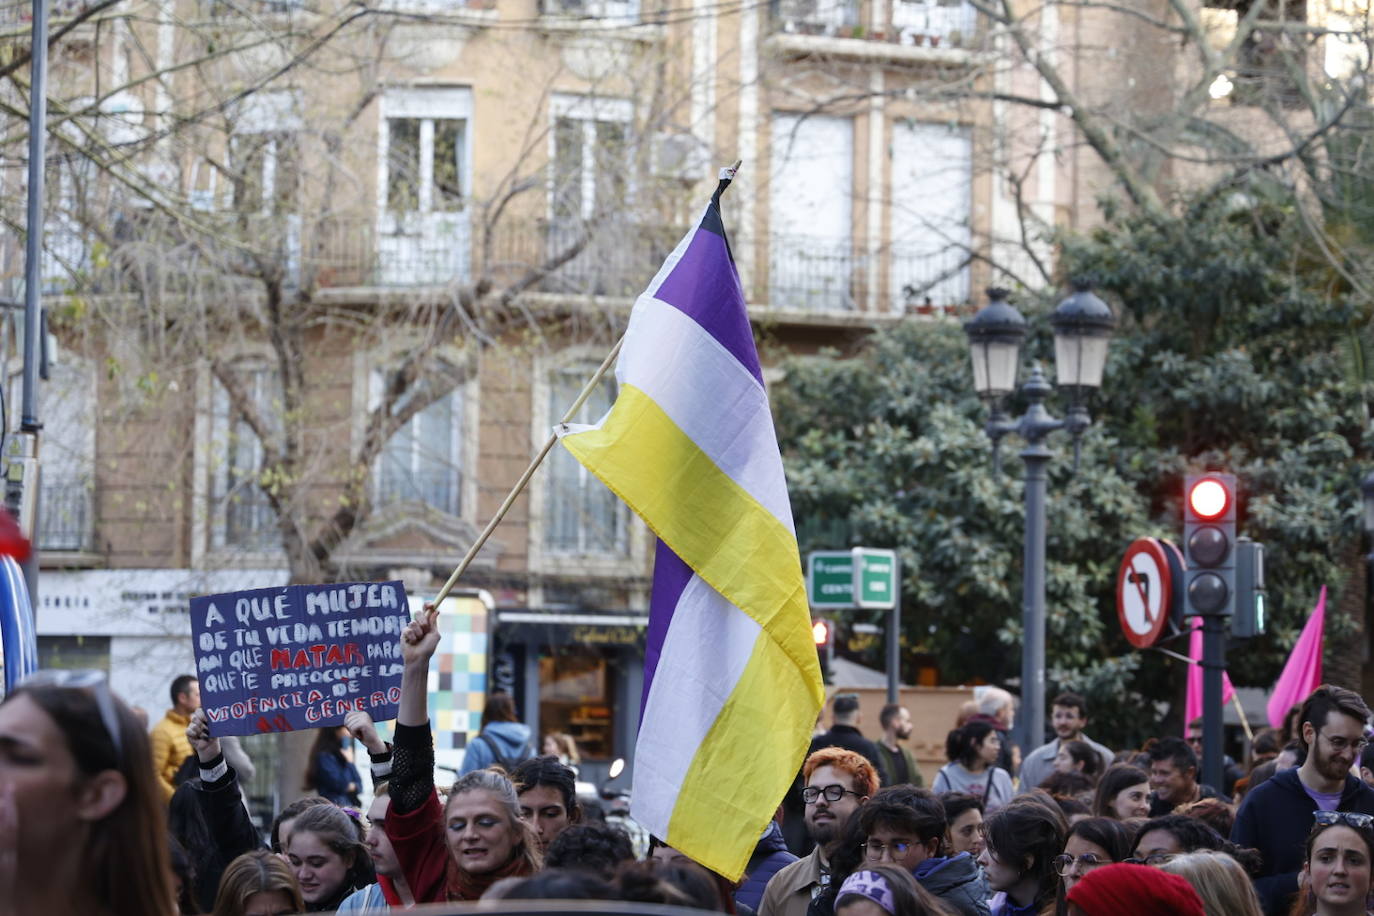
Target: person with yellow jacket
[{"x": 170, "y": 746}]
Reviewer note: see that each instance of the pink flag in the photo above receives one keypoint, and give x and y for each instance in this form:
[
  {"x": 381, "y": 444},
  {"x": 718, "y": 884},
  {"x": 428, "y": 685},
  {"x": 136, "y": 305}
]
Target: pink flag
[
  {"x": 1192, "y": 707},
  {"x": 1302, "y": 674}
]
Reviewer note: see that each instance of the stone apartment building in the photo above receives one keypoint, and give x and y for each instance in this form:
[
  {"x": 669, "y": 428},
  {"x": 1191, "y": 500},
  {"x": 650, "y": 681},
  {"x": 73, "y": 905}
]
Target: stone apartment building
[{"x": 407, "y": 168}]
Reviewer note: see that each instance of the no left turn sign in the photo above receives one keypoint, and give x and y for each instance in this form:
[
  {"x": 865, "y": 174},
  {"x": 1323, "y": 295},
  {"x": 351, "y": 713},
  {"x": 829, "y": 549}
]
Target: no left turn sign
[{"x": 1146, "y": 589}]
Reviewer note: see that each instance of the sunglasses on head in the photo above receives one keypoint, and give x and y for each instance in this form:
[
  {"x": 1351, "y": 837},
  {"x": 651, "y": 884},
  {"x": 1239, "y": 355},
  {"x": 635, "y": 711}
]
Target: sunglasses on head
[
  {"x": 1349, "y": 818},
  {"x": 88, "y": 679}
]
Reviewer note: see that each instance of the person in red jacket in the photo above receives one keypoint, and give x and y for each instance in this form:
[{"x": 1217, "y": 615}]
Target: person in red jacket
[{"x": 457, "y": 851}]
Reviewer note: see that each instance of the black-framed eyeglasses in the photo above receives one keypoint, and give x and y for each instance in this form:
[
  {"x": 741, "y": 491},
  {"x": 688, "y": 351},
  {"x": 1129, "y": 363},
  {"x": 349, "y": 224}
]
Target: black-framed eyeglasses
[
  {"x": 1349, "y": 818},
  {"x": 91, "y": 679},
  {"x": 1340, "y": 742},
  {"x": 874, "y": 851},
  {"x": 1063, "y": 864},
  {"x": 1157, "y": 858},
  {"x": 833, "y": 793}
]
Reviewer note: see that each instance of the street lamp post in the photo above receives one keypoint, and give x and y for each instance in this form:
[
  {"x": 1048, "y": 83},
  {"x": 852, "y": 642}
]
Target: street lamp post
[{"x": 1082, "y": 330}]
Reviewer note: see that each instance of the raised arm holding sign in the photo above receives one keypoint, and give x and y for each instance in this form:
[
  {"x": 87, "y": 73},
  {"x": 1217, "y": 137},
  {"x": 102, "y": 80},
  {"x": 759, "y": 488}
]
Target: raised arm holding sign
[{"x": 301, "y": 656}]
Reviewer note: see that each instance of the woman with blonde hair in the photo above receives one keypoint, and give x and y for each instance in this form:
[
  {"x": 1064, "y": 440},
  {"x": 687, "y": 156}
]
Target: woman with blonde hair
[
  {"x": 258, "y": 883},
  {"x": 458, "y": 849},
  {"x": 1219, "y": 880}
]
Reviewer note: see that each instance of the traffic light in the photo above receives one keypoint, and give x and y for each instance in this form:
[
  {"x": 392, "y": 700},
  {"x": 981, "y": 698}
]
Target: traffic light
[
  {"x": 1209, "y": 542},
  {"x": 1250, "y": 618},
  {"x": 823, "y": 632}
]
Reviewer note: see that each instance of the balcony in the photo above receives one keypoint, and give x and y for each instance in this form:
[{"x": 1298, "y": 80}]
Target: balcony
[
  {"x": 819, "y": 275},
  {"x": 932, "y": 24},
  {"x": 68, "y": 509},
  {"x": 619, "y": 12}
]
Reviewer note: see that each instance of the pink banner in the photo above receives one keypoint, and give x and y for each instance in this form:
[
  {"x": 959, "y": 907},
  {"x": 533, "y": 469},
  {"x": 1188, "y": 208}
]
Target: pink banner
[
  {"x": 1303, "y": 672},
  {"x": 1192, "y": 707}
]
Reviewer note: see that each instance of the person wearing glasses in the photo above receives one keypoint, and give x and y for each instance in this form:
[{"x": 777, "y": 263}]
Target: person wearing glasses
[
  {"x": 1335, "y": 874},
  {"x": 1092, "y": 843},
  {"x": 836, "y": 783},
  {"x": 905, "y": 826},
  {"x": 1277, "y": 814},
  {"x": 83, "y": 825}
]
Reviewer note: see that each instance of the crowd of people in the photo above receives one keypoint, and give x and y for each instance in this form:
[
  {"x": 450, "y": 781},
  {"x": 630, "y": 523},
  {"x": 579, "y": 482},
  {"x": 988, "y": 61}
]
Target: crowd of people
[{"x": 87, "y": 825}]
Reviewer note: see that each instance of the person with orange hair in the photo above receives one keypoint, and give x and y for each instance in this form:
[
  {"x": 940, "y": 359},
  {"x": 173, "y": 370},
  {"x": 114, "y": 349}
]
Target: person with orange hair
[{"x": 836, "y": 783}]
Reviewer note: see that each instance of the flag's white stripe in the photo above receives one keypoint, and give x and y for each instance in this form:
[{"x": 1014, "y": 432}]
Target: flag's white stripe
[
  {"x": 709, "y": 395},
  {"x": 708, "y": 646}
]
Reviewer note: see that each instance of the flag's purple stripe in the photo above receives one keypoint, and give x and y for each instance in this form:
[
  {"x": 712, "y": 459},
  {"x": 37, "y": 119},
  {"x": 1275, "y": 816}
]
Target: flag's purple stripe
[
  {"x": 705, "y": 287},
  {"x": 671, "y": 576}
]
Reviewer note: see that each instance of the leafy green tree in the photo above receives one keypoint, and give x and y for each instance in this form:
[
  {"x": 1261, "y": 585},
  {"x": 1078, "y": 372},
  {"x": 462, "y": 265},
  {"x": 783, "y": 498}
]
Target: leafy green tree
[{"x": 1227, "y": 356}]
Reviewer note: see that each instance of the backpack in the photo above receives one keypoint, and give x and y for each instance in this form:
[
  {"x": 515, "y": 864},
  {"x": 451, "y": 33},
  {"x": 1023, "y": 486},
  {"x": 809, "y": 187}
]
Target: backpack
[{"x": 525, "y": 752}]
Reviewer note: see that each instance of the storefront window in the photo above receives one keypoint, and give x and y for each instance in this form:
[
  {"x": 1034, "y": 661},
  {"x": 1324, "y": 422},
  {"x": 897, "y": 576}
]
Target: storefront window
[{"x": 575, "y": 698}]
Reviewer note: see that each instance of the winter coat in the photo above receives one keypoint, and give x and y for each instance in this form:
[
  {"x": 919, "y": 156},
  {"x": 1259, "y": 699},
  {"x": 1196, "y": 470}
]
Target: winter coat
[
  {"x": 334, "y": 773},
  {"x": 958, "y": 881},
  {"x": 1275, "y": 818},
  {"x": 770, "y": 855},
  {"x": 512, "y": 740}
]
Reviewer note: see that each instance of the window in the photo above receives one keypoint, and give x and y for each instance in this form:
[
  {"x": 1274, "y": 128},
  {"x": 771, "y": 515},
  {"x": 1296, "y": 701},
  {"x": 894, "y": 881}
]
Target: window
[
  {"x": 590, "y": 162},
  {"x": 582, "y": 515},
  {"x": 811, "y": 187},
  {"x": 67, "y": 404},
  {"x": 932, "y": 200},
  {"x": 243, "y": 515},
  {"x": 575, "y": 699},
  {"x": 266, "y": 172},
  {"x": 423, "y": 462},
  {"x": 934, "y": 22},
  {"x": 422, "y": 189}
]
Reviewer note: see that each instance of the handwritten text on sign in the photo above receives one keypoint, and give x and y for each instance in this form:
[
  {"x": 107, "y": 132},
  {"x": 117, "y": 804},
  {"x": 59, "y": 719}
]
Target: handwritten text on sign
[{"x": 301, "y": 656}]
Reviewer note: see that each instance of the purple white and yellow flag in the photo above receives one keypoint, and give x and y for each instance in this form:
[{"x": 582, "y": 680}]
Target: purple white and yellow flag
[{"x": 732, "y": 684}]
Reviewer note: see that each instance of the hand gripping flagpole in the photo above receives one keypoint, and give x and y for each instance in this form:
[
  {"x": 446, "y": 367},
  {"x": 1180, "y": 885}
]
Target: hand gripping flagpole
[{"x": 726, "y": 176}]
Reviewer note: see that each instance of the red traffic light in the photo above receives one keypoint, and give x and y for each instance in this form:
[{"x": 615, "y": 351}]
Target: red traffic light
[
  {"x": 1209, "y": 498},
  {"x": 820, "y": 632}
]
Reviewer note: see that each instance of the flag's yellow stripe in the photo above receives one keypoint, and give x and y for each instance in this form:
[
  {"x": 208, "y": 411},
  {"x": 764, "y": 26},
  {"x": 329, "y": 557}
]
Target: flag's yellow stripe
[
  {"x": 758, "y": 740},
  {"x": 725, "y": 535}
]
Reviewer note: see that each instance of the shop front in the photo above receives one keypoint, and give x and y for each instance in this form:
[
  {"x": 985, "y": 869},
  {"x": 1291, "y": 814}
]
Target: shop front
[{"x": 579, "y": 673}]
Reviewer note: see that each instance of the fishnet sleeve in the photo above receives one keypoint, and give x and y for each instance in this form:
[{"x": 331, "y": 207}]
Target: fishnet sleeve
[{"x": 412, "y": 767}]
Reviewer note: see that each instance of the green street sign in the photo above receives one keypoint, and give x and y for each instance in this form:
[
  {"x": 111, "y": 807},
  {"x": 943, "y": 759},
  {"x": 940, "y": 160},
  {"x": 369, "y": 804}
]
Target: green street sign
[
  {"x": 874, "y": 577},
  {"x": 830, "y": 579}
]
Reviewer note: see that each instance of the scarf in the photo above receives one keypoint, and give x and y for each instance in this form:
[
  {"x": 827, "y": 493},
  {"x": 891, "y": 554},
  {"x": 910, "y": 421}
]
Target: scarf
[{"x": 464, "y": 886}]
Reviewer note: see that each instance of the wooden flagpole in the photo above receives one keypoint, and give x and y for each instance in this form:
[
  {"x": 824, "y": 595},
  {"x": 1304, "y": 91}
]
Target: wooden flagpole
[{"x": 726, "y": 175}]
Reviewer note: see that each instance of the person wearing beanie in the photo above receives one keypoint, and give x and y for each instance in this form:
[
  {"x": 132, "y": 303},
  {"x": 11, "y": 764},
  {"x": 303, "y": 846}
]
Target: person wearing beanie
[{"x": 1133, "y": 890}]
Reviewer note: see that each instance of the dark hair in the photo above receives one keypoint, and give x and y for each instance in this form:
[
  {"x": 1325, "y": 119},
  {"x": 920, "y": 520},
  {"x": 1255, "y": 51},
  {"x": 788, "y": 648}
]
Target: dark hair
[
  {"x": 598, "y": 849},
  {"x": 1109, "y": 833},
  {"x": 907, "y": 808},
  {"x": 962, "y": 744},
  {"x": 1190, "y": 832},
  {"x": 180, "y": 684},
  {"x": 1266, "y": 742},
  {"x": 185, "y": 872},
  {"x": 1070, "y": 807},
  {"x": 1026, "y": 835},
  {"x": 562, "y": 884},
  {"x": 1367, "y": 757},
  {"x": 291, "y": 812},
  {"x": 888, "y": 713},
  {"x": 191, "y": 834},
  {"x": 500, "y": 708},
  {"x": 1323, "y": 701},
  {"x": 845, "y": 704},
  {"x": 1071, "y": 701},
  {"x": 1114, "y": 837},
  {"x": 126, "y": 864},
  {"x": 1066, "y": 784},
  {"x": 1083, "y": 752},
  {"x": 956, "y": 803},
  {"x": 327, "y": 741},
  {"x": 547, "y": 771},
  {"x": 1118, "y": 778},
  {"x": 685, "y": 885},
  {"x": 1174, "y": 750}
]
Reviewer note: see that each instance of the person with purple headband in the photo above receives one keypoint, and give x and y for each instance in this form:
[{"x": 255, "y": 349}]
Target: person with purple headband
[{"x": 886, "y": 890}]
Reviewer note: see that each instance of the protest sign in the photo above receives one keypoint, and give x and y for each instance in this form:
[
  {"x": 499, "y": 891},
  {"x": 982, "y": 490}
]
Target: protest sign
[{"x": 300, "y": 656}]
